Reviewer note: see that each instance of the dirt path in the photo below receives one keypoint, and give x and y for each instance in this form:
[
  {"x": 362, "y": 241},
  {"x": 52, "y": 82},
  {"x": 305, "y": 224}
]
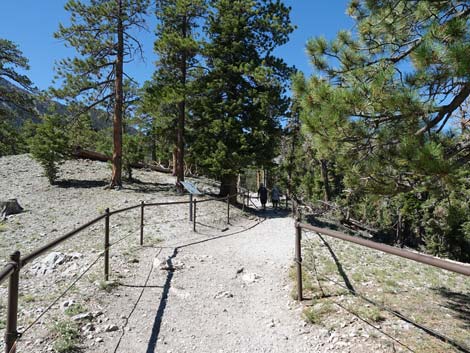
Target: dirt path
[{"x": 227, "y": 293}]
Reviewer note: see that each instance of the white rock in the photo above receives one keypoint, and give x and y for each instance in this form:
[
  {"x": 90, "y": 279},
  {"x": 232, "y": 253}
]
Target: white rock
[
  {"x": 250, "y": 277},
  {"x": 67, "y": 304},
  {"x": 83, "y": 316},
  {"x": 88, "y": 327},
  {"x": 223, "y": 294},
  {"x": 111, "y": 328}
]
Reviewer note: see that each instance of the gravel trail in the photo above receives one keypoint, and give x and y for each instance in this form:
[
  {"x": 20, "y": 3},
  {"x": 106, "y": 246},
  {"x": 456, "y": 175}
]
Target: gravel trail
[
  {"x": 226, "y": 292},
  {"x": 220, "y": 289}
]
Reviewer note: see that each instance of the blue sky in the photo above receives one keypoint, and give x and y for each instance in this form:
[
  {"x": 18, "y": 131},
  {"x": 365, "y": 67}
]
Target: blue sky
[{"x": 31, "y": 24}]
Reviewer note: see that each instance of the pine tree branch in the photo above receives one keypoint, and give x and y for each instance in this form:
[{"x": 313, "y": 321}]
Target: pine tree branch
[{"x": 447, "y": 109}]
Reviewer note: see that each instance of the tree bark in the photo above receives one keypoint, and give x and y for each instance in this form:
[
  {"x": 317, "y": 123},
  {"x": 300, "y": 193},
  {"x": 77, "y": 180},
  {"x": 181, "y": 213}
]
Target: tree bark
[
  {"x": 175, "y": 153},
  {"x": 116, "y": 179},
  {"x": 295, "y": 131},
  {"x": 181, "y": 113},
  {"x": 326, "y": 183},
  {"x": 228, "y": 185},
  {"x": 153, "y": 145}
]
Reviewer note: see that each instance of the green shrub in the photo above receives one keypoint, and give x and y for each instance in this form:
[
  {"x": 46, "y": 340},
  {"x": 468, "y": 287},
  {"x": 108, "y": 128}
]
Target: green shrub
[
  {"x": 49, "y": 146},
  {"x": 67, "y": 337}
]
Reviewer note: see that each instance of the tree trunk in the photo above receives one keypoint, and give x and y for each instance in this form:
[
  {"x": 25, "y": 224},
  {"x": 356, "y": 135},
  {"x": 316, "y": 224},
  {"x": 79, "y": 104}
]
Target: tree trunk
[
  {"x": 228, "y": 185},
  {"x": 116, "y": 179},
  {"x": 175, "y": 152},
  {"x": 153, "y": 145},
  {"x": 80, "y": 153},
  {"x": 180, "y": 147},
  {"x": 291, "y": 165},
  {"x": 181, "y": 113},
  {"x": 399, "y": 236},
  {"x": 326, "y": 184}
]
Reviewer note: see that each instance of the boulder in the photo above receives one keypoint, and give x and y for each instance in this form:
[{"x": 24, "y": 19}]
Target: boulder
[{"x": 9, "y": 207}]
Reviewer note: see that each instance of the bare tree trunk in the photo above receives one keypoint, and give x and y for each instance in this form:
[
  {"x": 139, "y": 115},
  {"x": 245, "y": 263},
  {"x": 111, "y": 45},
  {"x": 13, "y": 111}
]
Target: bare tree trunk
[
  {"x": 175, "y": 152},
  {"x": 181, "y": 114},
  {"x": 326, "y": 183},
  {"x": 228, "y": 185},
  {"x": 290, "y": 169},
  {"x": 116, "y": 179},
  {"x": 180, "y": 146},
  {"x": 153, "y": 145}
]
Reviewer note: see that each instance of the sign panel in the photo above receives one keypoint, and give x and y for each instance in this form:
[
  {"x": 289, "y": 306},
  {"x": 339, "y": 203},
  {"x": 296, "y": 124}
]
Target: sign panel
[{"x": 191, "y": 188}]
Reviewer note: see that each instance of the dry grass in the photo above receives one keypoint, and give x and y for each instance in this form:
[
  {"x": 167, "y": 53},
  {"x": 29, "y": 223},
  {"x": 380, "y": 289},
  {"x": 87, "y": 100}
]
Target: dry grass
[{"x": 431, "y": 297}]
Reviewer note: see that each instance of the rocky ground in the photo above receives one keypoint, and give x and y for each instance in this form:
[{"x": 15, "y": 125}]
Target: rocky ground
[{"x": 225, "y": 288}]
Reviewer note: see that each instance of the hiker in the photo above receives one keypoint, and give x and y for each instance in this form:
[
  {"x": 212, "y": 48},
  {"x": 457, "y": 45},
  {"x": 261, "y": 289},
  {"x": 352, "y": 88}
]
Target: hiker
[
  {"x": 275, "y": 195},
  {"x": 263, "y": 195}
]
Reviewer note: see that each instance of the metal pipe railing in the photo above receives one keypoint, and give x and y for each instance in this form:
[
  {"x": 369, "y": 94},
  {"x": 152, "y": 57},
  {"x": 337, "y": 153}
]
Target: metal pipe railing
[
  {"x": 38, "y": 252},
  {"x": 6, "y": 271},
  {"x": 11, "y": 269},
  {"x": 407, "y": 254},
  {"x": 425, "y": 259}
]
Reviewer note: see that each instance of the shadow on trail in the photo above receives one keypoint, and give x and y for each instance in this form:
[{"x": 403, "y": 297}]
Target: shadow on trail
[
  {"x": 270, "y": 213},
  {"x": 143, "y": 186},
  {"x": 152, "y": 344},
  {"x": 81, "y": 184},
  {"x": 161, "y": 308}
]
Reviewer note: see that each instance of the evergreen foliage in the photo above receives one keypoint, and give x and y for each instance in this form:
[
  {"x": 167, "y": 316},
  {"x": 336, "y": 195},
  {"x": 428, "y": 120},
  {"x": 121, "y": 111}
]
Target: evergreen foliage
[
  {"x": 50, "y": 144},
  {"x": 134, "y": 153},
  {"x": 242, "y": 91},
  {"x": 379, "y": 109},
  {"x": 177, "y": 47},
  {"x": 159, "y": 123},
  {"x": 102, "y": 33},
  {"x": 12, "y": 100}
]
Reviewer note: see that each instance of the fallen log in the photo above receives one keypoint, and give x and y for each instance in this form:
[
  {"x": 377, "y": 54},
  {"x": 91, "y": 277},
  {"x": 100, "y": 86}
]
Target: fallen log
[
  {"x": 155, "y": 167},
  {"x": 81, "y": 153}
]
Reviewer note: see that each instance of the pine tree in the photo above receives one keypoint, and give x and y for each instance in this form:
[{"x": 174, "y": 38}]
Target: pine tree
[
  {"x": 102, "y": 33},
  {"x": 177, "y": 47},
  {"x": 379, "y": 104},
  {"x": 13, "y": 100},
  {"x": 50, "y": 144},
  {"x": 242, "y": 94},
  {"x": 159, "y": 124}
]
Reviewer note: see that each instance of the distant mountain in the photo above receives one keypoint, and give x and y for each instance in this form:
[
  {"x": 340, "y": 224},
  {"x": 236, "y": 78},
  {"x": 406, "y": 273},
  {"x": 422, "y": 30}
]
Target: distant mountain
[{"x": 100, "y": 119}]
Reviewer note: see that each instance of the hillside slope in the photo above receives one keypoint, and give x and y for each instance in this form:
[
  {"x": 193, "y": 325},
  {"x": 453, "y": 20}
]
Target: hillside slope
[{"x": 222, "y": 289}]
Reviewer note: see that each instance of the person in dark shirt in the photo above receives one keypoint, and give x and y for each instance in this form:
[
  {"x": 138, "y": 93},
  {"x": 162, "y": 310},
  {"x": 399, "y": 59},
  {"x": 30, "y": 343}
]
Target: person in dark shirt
[
  {"x": 275, "y": 196},
  {"x": 263, "y": 195}
]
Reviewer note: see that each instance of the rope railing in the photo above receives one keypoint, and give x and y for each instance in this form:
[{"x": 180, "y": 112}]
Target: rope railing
[{"x": 12, "y": 269}]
